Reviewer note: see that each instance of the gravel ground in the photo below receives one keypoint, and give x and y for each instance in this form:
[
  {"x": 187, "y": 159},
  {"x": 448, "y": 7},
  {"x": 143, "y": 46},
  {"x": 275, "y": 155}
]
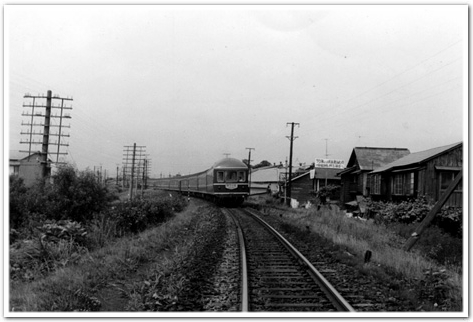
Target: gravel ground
[{"x": 363, "y": 290}]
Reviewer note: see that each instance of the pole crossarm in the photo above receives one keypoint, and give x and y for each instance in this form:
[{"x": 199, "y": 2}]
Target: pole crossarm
[{"x": 46, "y": 103}]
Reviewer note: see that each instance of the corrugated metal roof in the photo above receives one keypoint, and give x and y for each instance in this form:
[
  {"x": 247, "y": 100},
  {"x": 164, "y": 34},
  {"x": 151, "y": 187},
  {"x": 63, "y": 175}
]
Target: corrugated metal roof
[
  {"x": 417, "y": 157},
  {"x": 267, "y": 174},
  {"x": 369, "y": 158}
]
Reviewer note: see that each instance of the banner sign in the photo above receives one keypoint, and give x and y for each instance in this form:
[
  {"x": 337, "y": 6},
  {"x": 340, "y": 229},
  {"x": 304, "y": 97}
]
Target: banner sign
[{"x": 329, "y": 163}]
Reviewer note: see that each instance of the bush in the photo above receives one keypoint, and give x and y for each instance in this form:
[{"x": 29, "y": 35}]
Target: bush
[
  {"x": 18, "y": 192},
  {"x": 73, "y": 195},
  {"x": 76, "y": 195},
  {"x": 414, "y": 211},
  {"x": 137, "y": 215}
]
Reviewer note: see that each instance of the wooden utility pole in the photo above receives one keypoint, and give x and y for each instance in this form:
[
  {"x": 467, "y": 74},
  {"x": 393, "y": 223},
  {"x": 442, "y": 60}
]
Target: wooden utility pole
[
  {"x": 132, "y": 171},
  {"x": 46, "y": 133},
  {"x": 44, "y": 149},
  {"x": 291, "y": 138},
  {"x": 326, "y": 156},
  {"x": 132, "y": 156},
  {"x": 249, "y": 169},
  {"x": 430, "y": 216}
]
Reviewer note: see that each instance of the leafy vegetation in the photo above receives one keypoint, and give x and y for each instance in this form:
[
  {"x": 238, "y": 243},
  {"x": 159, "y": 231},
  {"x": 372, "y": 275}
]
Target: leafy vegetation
[
  {"x": 55, "y": 225},
  {"x": 414, "y": 211},
  {"x": 111, "y": 269},
  {"x": 73, "y": 195}
]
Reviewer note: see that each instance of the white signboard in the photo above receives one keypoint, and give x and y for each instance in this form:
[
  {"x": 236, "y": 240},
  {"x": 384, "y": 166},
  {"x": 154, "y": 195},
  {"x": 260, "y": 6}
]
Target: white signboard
[{"x": 329, "y": 163}]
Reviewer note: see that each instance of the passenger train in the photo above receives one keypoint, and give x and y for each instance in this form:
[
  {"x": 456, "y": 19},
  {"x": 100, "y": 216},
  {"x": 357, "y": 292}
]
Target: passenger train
[{"x": 226, "y": 182}]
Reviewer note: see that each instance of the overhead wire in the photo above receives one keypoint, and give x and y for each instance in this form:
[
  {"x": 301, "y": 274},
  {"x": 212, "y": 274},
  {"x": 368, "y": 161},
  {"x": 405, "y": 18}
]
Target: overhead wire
[{"x": 327, "y": 117}]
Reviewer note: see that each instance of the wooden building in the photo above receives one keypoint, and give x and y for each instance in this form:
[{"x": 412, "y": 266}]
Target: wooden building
[
  {"x": 29, "y": 168},
  {"x": 354, "y": 178},
  {"x": 304, "y": 186},
  {"x": 426, "y": 173}
]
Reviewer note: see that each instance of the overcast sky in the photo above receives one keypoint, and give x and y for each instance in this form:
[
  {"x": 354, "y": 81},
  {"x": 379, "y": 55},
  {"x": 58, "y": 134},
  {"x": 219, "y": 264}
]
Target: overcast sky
[{"x": 194, "y": 82}]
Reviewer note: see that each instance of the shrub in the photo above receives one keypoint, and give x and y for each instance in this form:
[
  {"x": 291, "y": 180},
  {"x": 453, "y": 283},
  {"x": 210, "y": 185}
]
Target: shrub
[
  {"x": 414, "y": 211},
  {"x": 136, "y": 215},
  {"x": 76, "y": 195},
  {"x": 73, "y": 195},
  {"x": 63, "y": 230},
  {"x": 17, "y": 201}
]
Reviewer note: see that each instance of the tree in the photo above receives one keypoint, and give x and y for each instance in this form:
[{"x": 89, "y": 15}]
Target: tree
[{"x": 263, "y": 163}]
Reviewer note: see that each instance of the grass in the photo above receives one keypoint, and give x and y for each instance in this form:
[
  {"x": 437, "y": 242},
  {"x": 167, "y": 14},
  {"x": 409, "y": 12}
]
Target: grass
[
  {"x": 73, "y": 287},
  {"x": 358, "y": 236}
]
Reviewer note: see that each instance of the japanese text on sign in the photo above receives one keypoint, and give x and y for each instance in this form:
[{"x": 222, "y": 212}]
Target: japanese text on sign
[{"x": 329, "y": 163}]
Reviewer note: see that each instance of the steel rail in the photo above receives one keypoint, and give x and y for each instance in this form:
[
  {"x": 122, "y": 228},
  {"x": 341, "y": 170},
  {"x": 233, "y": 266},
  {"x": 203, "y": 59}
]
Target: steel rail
[
  {"x": 244, "y": 267},
  {"x": 338, "y": 301}
]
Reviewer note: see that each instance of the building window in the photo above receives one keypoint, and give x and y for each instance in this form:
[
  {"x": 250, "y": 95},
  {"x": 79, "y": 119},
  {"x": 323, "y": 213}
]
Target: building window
[
  {"x": 446, "y": 178},
  {"x": 403, "y": 184},
  {"x": 410, "y": 183},
  {"x": 376, "y": 184},
  {"x": 397, "y": 187}
]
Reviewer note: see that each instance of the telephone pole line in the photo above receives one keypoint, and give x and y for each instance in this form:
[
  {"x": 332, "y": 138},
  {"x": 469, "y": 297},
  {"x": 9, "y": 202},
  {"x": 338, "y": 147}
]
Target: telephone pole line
[
  {"x": 291, "y": 138},
  {"x": 46, "y": 134},
  {"x": 326, "y": 155},
  {"x": 132, "y": 170},
  {"x": 249, "y": 169},
  {"x": 133, "y": 164}
]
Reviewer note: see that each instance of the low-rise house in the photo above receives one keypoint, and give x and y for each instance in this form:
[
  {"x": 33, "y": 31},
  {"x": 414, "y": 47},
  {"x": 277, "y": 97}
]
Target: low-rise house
[
  {"x": 354, "y": 178},
  {"x": 426, "y": 173},
  {"x": 29, "y": 168},
  {"x": 304, "y": 186}
]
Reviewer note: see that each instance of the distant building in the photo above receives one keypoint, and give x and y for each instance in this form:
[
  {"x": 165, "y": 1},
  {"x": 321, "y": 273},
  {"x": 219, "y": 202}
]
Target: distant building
[
  {"x": 322, "y": 175},
  {"x": 28, "y": 168},
  {"x": 426, "y": 173},
  {"x": 265, "y": 178},
  {"x": 304, "y": 186},
  {"x": 354, "y": 178},
  {"x": 273, "y": 178}
]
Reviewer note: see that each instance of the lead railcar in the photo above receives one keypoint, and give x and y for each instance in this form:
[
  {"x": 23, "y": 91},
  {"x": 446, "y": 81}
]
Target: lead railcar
[{"x": 225, "y": 182}]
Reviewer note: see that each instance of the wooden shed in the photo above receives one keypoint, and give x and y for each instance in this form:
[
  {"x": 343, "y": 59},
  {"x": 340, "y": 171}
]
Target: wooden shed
[
  {"x": 426, "y": 173},
  {"x": 354, "y": 179}
]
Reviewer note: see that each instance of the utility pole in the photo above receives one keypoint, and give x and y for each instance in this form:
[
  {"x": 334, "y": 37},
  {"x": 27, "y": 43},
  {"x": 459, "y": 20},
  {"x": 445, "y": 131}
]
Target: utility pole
[
  {"x": 326, "y": 155},
  {"x": 132, "y": 165},
  {"x": 291, "y": 138},
  {"x": 44, "y": 148},
  {"x": 132, "y": 170},
  {"x": 46, "y": 133},
  {"x": 249, "y": 169}
]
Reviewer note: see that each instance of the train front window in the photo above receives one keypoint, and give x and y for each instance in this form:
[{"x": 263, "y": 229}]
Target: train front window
[
  {"x": 230, "y": 176},
  {"x": 220, "y": 176},
  {"x": 241, "y": 176}
]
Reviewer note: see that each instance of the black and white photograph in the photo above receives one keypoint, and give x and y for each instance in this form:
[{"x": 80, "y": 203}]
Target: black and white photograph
[{"x": 236, "y": 160}]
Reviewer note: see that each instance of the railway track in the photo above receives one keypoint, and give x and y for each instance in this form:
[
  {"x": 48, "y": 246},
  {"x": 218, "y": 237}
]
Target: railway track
[{"x": 275, "y": 276}]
